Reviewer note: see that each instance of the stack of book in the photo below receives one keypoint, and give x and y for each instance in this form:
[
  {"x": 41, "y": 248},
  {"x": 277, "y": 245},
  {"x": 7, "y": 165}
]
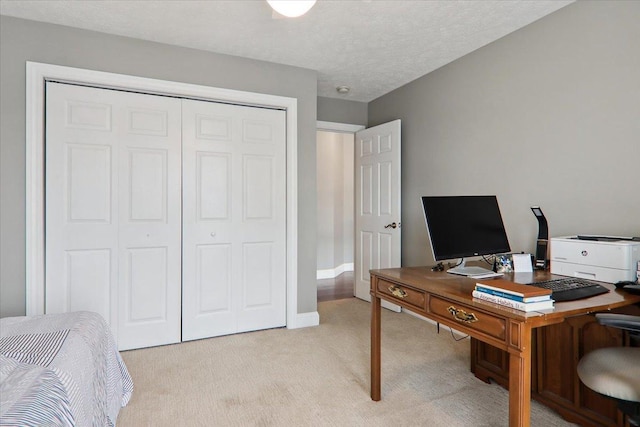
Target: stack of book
[{"x": 514, "y": 295}]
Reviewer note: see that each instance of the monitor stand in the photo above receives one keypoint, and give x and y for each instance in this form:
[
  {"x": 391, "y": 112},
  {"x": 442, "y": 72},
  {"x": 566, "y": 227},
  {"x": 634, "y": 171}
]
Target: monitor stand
[{"x": 472, "y": 271}]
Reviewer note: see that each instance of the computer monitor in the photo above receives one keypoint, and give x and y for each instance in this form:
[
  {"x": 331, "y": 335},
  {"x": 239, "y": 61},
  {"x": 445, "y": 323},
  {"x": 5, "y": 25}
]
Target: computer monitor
[{"x": 464, "y": 226}]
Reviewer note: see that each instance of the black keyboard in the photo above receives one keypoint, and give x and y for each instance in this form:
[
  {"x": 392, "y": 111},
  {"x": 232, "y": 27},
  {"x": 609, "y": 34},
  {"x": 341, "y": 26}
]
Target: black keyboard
[{"x": 571, "y": 288}]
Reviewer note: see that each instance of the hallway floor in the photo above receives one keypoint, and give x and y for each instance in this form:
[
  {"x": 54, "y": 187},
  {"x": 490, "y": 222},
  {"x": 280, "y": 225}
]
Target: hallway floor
[{"x": 340, "y": 287}]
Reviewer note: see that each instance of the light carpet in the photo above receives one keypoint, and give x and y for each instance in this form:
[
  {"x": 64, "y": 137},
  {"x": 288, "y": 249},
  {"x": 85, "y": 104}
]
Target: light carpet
[{"x": 318, "y": 376}]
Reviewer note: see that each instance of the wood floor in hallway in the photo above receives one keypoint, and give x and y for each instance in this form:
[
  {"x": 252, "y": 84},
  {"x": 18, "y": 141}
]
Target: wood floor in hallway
[{"x": 339, "y": 287}]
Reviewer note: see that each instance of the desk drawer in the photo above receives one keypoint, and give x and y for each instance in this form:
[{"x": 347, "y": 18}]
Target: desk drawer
[
  {"x": 404, "y": 295},
  {"x": 469, "y": 317}
]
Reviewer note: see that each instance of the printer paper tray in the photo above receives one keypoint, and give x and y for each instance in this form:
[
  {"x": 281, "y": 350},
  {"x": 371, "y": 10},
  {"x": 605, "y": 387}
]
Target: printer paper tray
[{"x": 602, "y": 274}]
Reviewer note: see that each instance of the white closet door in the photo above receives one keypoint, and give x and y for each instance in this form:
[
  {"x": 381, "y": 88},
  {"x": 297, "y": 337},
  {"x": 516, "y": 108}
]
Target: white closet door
[
  {"x": 234, "y": 183},
  {"x": 113, "y": 218}
]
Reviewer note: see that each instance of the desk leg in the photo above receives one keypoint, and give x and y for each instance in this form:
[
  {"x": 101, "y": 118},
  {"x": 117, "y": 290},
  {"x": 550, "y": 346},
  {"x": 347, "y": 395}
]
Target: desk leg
[
  {"x": 520, "y": 382},
  {"x": 375, "y": 348}
]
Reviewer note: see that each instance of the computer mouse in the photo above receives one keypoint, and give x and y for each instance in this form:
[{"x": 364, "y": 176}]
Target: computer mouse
[
  {"x": 624, "y": 283},
  {"x": 632, "y": 289}
]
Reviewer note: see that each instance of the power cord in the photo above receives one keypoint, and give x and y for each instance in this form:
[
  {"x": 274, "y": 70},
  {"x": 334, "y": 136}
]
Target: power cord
[
  {"x": 451, "y": 331},
  {"x": 457, "y": 339},
  {"x": 491, "y": 259}
]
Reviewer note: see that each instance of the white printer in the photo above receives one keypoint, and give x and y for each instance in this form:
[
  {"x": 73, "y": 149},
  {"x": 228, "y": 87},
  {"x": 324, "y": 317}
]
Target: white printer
[{"x": 602, "y": 258}]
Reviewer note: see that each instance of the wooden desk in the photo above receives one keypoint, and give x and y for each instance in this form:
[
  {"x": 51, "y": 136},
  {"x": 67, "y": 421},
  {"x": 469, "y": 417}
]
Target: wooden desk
[{"x": 446, "y": 298}]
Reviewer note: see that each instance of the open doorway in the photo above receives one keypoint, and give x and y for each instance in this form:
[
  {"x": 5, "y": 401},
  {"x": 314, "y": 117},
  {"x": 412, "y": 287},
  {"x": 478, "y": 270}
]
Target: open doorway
[
  {"x": 375, "y": 195},
  {"x": 335, "y": 212}
]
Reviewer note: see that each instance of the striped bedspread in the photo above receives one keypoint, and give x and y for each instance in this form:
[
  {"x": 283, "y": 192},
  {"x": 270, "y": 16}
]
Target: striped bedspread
[{"x": 60, "y": 370}]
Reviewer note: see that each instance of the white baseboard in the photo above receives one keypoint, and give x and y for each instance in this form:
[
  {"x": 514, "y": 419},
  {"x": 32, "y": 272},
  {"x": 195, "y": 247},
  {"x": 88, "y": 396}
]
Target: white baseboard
[
  {"x": 305, "y": 320},
  {"x": 334, "y": 272}
]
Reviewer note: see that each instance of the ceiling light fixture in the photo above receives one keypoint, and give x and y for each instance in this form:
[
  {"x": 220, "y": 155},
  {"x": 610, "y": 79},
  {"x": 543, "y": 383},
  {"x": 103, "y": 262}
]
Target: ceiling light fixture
[
  {"x": 343, "y": 90},
  {"x": 291, "y": 8}
]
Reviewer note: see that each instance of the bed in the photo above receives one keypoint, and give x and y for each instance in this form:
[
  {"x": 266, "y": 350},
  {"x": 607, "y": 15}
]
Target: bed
[{"x": 60, "y": 370}]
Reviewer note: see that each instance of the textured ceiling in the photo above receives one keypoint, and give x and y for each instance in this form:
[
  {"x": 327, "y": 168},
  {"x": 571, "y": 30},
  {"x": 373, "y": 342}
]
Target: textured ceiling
[{"x": 372, "y": 46}]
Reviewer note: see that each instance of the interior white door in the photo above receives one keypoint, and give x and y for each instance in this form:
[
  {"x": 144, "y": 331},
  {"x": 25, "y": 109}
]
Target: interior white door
[
  {"x": 377, "y": 194},
  {"x": 113, "y": 217},
  {"x": 234, "y": 219}
]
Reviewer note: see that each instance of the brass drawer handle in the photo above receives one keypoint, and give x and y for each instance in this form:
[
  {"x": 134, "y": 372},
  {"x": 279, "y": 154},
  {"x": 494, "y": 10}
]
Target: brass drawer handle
[
  {"x": 397, "y": 292},
  {"x": 461, "y": 315}
]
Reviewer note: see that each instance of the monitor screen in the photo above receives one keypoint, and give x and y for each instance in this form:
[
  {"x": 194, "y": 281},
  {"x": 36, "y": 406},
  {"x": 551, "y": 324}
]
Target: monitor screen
[{"x": 464, "y": 226}]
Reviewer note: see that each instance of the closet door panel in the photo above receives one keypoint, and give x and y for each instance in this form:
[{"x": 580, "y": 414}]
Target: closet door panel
[
  {"x": 233, "y": 219},
  {"x": 213, "y": 186},
  {"x": 147, "y": 185},
  {"x": 82, "y": 267},
  {"x": 257, "y": 280},
  {"x": 150, "y": 220},
  {"x": 208, "y": 194},
  {"x": 81, "y": 203},
  {"x": 211, "y": 311},
  {"x": 214, "y": 279},
  {"x": 146, "y": 285},
  {"x": 112, "y": 217},
  {"x": 258, "y": 188},
  {"x": 263, "y": 272},
  {"x": 87, "y": 172}
]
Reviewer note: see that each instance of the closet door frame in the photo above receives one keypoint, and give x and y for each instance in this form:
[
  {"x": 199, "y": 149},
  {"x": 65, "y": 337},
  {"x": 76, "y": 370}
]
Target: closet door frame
[{"x": 36, "y": 76}]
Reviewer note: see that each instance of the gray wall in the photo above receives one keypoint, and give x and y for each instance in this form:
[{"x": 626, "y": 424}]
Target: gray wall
[
  {"x": 335, "y": 197},
  {"x": 548, "y": 115},
  {"x": 342, "y": 111},
  {"x": 22, "y": 40},
  {"x": 349, "y": 208}
]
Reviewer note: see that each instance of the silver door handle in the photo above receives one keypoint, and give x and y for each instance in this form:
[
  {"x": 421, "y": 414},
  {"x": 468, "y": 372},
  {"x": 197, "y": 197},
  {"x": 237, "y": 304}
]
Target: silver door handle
[{"x": 392, "y": 225}]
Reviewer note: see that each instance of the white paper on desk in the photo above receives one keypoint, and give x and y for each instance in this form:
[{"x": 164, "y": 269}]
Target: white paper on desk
[
  {"x": 526, "y": 277},
  {"x": 522, "y": 263}
]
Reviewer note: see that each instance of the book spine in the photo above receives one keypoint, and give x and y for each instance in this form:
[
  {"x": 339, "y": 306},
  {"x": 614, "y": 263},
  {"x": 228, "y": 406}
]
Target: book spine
[
  {"x": 506, "y": 291},
  {"x": 511, "y": 296},
  {"x": 511, "y": 303},
  {"x": 499, "y": 293},
  {"x": 499, "y": 300}
]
